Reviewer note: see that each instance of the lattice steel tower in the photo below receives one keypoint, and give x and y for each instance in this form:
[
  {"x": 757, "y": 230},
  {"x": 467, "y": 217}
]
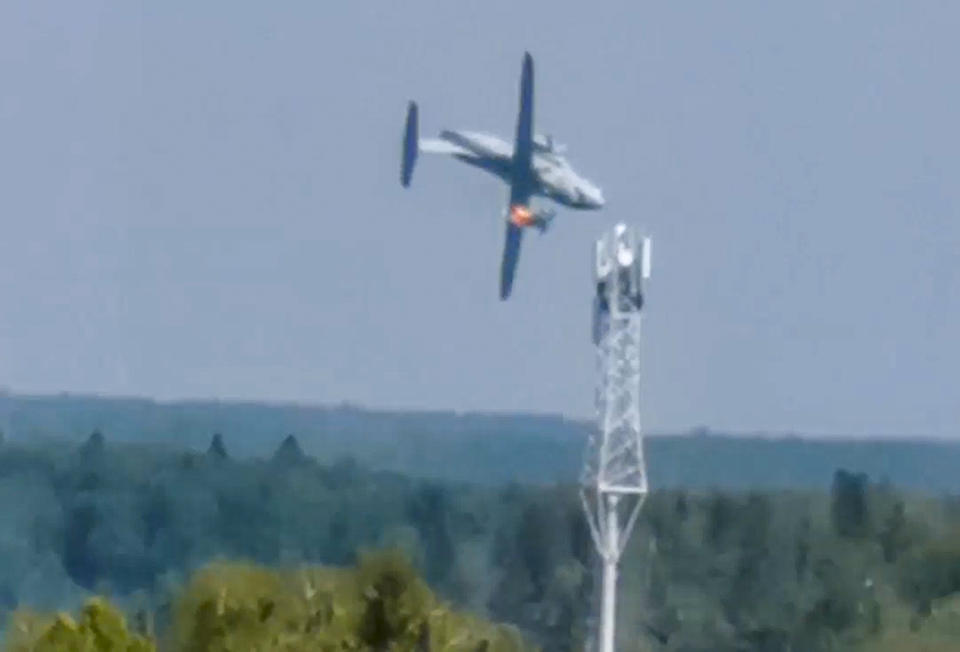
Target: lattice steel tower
[{"x": 614, "y": 480}]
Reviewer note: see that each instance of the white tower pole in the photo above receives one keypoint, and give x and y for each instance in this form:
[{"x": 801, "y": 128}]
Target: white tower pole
[
  {"x": 609, "y": 614},
  {"x": 614, "y": 480}
]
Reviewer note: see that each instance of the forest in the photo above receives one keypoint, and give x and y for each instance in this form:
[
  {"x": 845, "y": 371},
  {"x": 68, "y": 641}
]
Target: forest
[
  {"x": 491, "y": 449},
  {"x": 858, "y": 564}
]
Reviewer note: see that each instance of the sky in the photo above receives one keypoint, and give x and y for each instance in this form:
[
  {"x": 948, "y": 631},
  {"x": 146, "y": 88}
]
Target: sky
[{"x": 201, "y": 200}]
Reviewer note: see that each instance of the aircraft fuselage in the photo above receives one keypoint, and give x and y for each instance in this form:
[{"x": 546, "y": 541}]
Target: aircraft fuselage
[{"x": 554, "y": 178}]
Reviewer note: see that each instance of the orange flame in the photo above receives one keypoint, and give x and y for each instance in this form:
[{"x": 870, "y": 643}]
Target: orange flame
[{"x": 521, "y": 216}]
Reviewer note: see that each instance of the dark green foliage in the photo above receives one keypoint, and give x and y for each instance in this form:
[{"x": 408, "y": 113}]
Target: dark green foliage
[
  {"x": 481, "y": 448},
  {"x": 393, "y": 601},
  {"x": 931, "y": 572},
  {"x": 851, "y": 516},
  {"x": 289, "y": 453},
  {"x": 427, "y": 510},
  {"x": 720, "y": 521},
  {"x": 91, "y": 453},
  {"x": 719, "y": 570},
  {"x": 802, "y": 547},
  {"x": 895, "y": 535},
  {"x": 218, "y": 449}
]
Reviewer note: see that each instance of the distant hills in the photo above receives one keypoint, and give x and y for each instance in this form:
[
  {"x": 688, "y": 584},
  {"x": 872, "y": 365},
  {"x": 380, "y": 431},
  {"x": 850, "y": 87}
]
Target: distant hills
[{"x": 474, "y": 448}]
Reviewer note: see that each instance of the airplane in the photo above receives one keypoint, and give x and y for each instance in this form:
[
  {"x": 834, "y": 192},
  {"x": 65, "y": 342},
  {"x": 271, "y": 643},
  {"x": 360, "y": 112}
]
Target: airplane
[{"x": 533, "y": 166}]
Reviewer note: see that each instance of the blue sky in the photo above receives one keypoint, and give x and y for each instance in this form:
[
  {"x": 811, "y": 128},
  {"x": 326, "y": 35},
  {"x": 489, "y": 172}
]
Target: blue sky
[{"x": 201, "y": 200}]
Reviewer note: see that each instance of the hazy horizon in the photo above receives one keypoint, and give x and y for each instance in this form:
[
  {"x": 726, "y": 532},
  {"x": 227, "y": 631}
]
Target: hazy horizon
[
  {"x": 701, "y": 430},
  {"x": 204, "y": 203}
]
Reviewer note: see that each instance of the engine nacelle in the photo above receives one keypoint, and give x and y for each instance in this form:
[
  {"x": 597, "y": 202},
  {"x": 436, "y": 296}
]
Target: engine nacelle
[
  {"x": 546, "y": 143},
  {"x": 526, "y": 216}
]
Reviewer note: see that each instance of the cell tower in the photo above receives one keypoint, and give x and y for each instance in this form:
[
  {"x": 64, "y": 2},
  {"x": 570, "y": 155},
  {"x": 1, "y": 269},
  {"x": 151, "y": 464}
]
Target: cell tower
[{"x": 614, "y": 480}]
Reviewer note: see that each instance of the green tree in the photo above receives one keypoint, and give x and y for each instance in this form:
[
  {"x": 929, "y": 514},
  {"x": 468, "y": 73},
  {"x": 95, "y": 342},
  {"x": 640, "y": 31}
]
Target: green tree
[
  {"x": 101, "y": 628},
  {"x": 849, "y": 507}
]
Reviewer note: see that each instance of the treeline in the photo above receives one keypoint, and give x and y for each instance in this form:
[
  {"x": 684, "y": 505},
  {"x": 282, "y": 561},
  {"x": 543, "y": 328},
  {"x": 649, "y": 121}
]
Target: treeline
[
  {"x": 380, "y": 605},
  {"x": 134, "y": 522},
  {"x": 862, "y": 567},
  {"x": 844, "y": 568},
  {"x": 481, "y": 448}
]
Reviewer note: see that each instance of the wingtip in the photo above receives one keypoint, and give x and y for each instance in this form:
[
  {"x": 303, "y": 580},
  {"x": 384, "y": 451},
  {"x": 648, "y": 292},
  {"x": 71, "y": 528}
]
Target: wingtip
[{"x": 410, "y": 144}]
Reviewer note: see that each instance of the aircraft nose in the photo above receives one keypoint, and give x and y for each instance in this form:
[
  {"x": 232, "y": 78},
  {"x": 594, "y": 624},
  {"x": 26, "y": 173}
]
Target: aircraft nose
[
  {"x": 587, "y": 195},
  {"x": 596, "y": 197}
]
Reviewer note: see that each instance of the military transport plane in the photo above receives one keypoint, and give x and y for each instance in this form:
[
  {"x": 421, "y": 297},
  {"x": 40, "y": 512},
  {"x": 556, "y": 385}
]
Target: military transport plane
[{"x": 532, "y": 166}]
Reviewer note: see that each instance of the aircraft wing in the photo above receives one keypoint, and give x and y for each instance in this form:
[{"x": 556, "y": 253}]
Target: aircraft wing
[
  {"x": 511, "y": 254},
  {"x": 440, "y": 146},
  {"x": 521, "y": 186}
]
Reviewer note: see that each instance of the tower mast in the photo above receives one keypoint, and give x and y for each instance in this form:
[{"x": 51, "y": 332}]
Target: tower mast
[{"x": 614, "y": 479}]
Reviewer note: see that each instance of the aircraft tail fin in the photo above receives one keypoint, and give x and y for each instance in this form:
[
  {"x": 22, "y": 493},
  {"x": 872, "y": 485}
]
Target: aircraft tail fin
[{"x": 410, "y": 145}]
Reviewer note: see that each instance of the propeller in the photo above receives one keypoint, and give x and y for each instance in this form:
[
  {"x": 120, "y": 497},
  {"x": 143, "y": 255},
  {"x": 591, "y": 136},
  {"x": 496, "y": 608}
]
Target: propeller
[
  {"x": 547, "y": 143},
  {"x": 554, "y": 146}
]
